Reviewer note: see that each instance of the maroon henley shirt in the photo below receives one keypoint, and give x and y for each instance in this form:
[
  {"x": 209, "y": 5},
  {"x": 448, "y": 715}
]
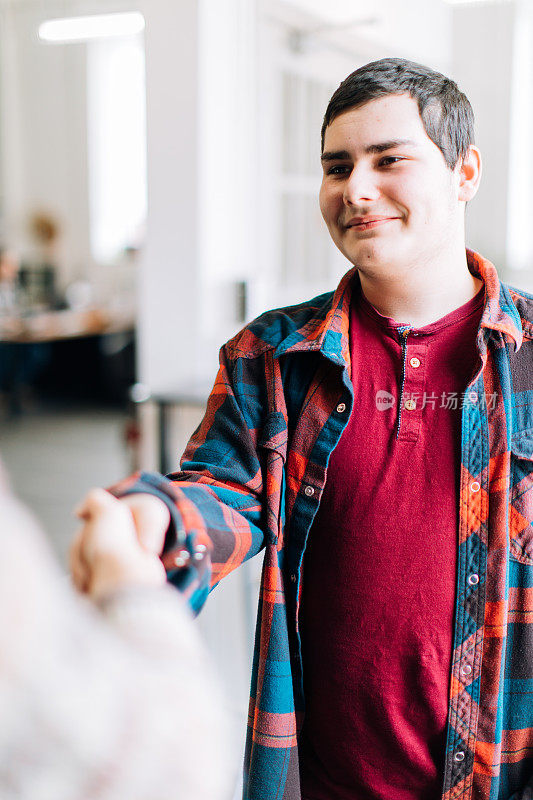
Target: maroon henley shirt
[{"x": 380, "y": 566}]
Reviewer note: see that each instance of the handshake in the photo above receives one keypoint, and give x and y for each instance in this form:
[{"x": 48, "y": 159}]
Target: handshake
[{"x": 119, "y": 543}]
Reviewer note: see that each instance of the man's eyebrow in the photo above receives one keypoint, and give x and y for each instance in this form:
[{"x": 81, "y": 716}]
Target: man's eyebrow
[
  {"x": 335, "y": 155},
  {"x": 379, "y": 147}
]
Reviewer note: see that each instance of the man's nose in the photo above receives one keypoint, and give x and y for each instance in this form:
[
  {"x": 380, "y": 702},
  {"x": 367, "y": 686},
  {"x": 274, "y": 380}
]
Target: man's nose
[{"x": 361, "y": 186}]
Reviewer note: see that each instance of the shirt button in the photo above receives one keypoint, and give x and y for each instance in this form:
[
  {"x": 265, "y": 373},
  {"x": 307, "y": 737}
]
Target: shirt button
[
  {"x": 459, "y": 756},
  {"x": 473, "y": 397},
  {"x": 414, "y": 362},
  {"x": 182, "y": 558},
  {"x": 473, "y": 579},
  {"x": 410, "y": 405},
  {"x": 309, "y": 491},
  {"x": 466, "y": 669},
  {"x": 475, "y": 487},
  {"x": 341, "y": 407}
]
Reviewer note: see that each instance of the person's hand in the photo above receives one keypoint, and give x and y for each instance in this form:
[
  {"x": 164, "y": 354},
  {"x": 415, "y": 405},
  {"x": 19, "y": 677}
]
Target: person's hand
[{"x": 119, "y": 543}]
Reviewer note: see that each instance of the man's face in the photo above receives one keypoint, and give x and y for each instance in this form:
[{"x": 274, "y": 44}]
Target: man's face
[{"x": 388, "y": 198}]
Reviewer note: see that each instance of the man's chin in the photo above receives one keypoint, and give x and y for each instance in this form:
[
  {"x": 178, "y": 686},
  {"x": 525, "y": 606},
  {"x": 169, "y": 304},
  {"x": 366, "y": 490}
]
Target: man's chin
[{"x": 372, "y": 256}]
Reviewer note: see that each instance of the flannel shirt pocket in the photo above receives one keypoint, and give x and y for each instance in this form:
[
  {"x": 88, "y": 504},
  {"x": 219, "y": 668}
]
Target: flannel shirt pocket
[{"x": 521, "y": 498}]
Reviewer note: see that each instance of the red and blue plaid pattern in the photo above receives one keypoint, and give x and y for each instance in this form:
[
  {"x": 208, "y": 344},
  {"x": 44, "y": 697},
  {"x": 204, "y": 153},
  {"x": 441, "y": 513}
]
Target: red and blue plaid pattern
[{"x": 252, "y": 477}]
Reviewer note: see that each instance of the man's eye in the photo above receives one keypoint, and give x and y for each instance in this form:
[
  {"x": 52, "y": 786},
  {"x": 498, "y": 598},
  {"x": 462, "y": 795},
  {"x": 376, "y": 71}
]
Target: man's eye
[
  {"x": 384, "y": 162},
  {"x": 339, "y": 169}
]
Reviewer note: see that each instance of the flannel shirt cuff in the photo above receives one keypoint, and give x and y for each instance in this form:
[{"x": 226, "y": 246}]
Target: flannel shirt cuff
[{"x": 186, "y": 561}]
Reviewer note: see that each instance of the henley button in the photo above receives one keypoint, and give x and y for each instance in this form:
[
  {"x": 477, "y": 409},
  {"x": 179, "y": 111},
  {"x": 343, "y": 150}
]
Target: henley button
[
  {"x": 466, "y": 669},
  {"x": 415, "y": 362},
  {"x": 459, "y": 756},
  {"x": 473, "y": 579},
  {"x": 410, "y": 405},
  {"x": 341, "y": 407},
  {"x": 293, "y": 577},
  {"x": 475, "y": 487},
  {"x": 473, "y": 396},
  {"x": 309, "y": 491}
]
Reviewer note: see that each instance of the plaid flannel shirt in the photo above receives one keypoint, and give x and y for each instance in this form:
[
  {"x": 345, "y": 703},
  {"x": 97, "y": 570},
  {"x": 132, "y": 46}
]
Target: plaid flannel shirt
[{"x": 252, "y": 477}]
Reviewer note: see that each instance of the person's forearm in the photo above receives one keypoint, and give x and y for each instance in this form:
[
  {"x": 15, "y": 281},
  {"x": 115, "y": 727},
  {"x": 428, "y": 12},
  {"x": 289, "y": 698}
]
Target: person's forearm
[{"x": 156, "y": 620}]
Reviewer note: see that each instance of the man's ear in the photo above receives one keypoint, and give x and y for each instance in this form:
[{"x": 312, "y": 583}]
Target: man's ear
[{"x": 469, "y": 174}]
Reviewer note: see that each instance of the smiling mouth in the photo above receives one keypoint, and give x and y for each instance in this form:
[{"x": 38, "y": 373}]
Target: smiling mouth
[{"x": 369, "y": 224}]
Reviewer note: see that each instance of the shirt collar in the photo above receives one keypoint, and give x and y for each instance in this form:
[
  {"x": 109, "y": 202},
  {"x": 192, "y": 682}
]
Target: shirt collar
[
  {"x": 500, "y": 313},
  {"x": 328, "y": 330}
]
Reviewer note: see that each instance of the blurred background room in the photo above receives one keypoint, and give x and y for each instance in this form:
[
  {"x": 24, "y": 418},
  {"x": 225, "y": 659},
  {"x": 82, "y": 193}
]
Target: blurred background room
[{"x": 159, "y": 173}]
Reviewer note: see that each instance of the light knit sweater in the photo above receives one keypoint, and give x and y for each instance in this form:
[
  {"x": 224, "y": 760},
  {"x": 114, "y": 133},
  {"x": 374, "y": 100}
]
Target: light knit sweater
[{"x": 116, "y": 703}]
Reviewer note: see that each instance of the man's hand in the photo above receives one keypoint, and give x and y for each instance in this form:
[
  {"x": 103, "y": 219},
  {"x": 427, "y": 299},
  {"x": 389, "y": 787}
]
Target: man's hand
[{"x": 119, "y": 543}]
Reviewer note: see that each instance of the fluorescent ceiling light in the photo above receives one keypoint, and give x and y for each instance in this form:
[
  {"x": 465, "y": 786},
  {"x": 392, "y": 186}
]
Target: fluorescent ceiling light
[{"x": 99, "y": 26}]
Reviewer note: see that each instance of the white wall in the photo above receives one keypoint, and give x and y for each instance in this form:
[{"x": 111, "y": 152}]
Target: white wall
[
  {"x": 417, "y": 29},
  {"x": 519, "y": 268},
  {"x": 482, "y": 66},
  {"x": 170, "y": 279}
]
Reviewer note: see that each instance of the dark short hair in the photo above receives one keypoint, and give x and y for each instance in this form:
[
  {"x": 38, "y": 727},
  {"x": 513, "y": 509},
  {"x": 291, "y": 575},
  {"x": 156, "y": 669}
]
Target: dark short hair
[{"x": 445, "y": 111}]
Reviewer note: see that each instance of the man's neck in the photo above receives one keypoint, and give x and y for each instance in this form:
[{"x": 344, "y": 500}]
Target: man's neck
[{"x": 419, "y": 297}]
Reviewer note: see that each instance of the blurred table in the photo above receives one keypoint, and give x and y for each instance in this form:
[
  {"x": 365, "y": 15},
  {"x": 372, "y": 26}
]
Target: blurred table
[
  {"x": 51, "y": 326},
  {"x": 86, "y": 354}
]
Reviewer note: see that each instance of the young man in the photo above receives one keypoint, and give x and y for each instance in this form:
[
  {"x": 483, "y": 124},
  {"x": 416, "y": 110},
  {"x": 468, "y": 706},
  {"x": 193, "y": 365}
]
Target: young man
[{"x": 376, "y": 441}]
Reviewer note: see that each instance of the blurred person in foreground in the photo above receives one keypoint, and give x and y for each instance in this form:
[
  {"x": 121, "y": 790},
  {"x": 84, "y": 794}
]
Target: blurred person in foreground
[
  {"x": 377, "y": 442},
  {"x": 111, "y": 699}
]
